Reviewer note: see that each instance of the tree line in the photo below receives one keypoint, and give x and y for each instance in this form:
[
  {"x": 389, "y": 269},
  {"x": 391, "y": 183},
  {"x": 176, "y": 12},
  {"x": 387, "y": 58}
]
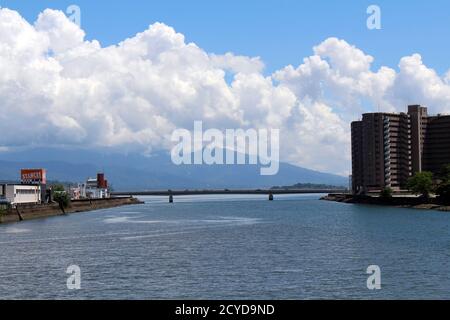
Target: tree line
[{"x": 425, "y": 184}]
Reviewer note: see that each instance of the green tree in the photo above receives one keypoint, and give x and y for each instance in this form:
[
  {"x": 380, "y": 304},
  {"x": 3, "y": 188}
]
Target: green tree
[
  {"x": 443, "y": 189},
  {"x": 421, "y": 183},
  {"x": 386, "y": 193},
  {"x": 60, "y": 195},
  {"x": 58, "y": 188},
  {"x": 444, "y": 175}
]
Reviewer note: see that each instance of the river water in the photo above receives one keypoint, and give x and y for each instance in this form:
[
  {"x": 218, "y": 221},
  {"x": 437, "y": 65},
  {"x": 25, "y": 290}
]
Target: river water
[{"x": 229, "y": 247}]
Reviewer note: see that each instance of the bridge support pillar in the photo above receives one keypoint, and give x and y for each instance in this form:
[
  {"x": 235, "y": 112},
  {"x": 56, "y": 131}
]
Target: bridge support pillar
[
  {"x": 170, "y": 198},
  {"x": 270, "y": 196}
]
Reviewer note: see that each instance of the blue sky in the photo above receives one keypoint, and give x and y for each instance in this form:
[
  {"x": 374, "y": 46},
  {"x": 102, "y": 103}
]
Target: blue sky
[{"x": 280, "y": 32}]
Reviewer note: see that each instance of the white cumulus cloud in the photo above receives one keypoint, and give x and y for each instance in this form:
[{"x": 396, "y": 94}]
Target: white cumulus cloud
[{"x": 56, "y": 88}]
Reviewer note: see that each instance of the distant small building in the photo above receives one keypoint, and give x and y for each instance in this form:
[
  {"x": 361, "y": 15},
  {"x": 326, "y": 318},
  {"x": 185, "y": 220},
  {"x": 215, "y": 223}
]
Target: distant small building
[
  {"x": 16, "y": 194},
  {"x": 95, "y": 188},
  {"x": 75, "y": 192}
]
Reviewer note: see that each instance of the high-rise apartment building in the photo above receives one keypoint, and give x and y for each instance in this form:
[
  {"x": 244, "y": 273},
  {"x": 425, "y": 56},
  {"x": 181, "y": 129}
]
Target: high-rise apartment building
[{"x": 388, "y": 148}]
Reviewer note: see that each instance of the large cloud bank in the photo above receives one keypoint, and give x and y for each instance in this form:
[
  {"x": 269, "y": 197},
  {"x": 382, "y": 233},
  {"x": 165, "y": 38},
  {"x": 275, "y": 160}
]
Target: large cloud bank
[{"x": 56, "y": 88}]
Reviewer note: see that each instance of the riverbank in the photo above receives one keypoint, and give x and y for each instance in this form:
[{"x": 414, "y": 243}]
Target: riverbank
[
  {"x": 396, "y": 201},
  {"x": 36, "y": 211}
]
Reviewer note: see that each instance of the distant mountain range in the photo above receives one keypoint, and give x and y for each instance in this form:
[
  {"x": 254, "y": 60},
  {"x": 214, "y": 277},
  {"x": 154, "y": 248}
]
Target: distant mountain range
[{"x": 131, "y": 172}]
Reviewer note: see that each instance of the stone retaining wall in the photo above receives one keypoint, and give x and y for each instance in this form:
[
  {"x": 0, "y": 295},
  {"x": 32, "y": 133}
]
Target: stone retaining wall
[{"x": 35, "y": 211}]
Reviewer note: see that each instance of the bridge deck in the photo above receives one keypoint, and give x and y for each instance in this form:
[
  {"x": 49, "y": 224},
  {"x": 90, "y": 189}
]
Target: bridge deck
[{"x": 225, "y": 192}]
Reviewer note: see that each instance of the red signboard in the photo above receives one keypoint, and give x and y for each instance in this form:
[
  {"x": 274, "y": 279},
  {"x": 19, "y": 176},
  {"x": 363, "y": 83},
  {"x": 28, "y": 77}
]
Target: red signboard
[{"x": 33, "y": 176}]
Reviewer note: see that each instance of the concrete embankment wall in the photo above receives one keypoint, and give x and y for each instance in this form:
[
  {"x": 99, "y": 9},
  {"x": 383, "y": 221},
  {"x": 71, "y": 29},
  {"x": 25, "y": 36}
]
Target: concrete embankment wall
[{"x": 35, "y": 211}]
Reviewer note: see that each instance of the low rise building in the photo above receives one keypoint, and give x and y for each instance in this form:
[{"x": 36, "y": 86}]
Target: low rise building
[
  {"x": 95, "y": 188},
  {"x": 16, "y": 194},
  {"x": 75, "y": 192}
]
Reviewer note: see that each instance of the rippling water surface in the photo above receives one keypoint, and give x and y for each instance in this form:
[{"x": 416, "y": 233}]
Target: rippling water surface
[{"x": 240, "y": 247}]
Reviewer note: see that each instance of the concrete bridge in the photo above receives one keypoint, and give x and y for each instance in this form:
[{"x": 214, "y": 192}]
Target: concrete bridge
[{"x": 269, "y": 192}]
